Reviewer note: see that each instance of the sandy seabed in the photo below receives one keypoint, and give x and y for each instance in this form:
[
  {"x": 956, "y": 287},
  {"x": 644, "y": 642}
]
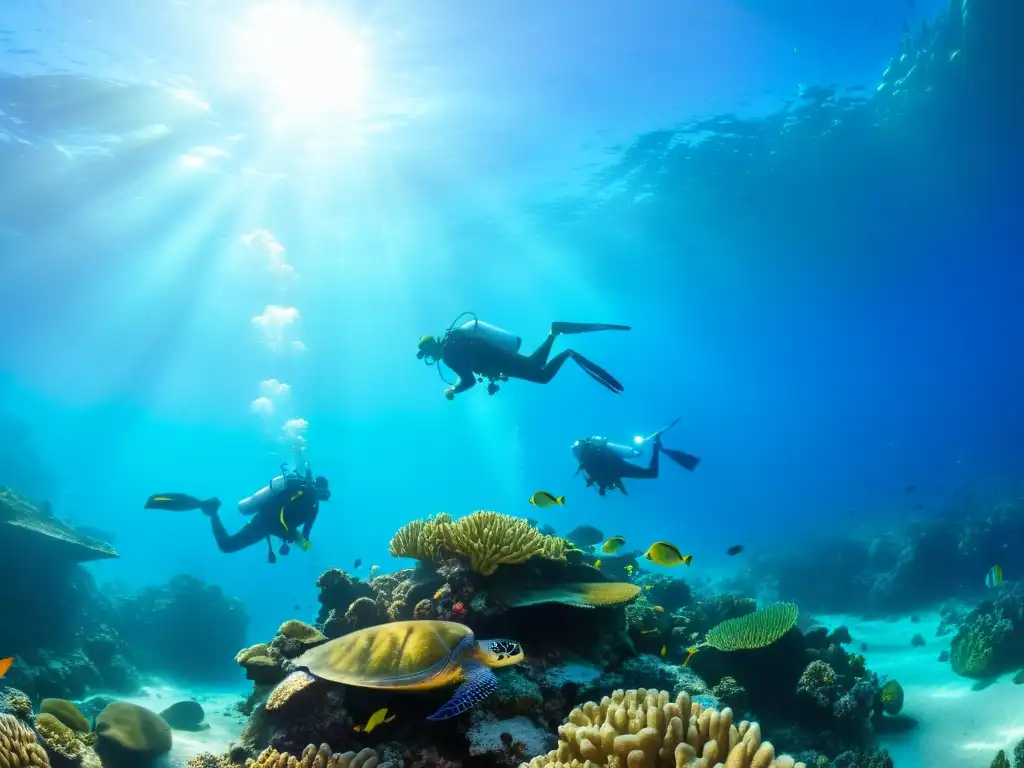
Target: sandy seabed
[{"x": 959, "y": 722}]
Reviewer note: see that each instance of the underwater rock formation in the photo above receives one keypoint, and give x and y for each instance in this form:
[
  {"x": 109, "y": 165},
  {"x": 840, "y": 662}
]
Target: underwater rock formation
[
  {"x": 186, "y": 627},
  {"x": 990, "y": 640}
]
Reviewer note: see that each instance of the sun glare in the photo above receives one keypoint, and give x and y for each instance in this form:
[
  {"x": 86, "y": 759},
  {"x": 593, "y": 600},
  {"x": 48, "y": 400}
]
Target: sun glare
[{"x": 305, "y": 62}]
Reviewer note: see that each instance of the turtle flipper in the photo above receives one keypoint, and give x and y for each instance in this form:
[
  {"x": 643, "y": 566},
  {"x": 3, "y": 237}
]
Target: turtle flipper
[{"x": 479, "y": 684}]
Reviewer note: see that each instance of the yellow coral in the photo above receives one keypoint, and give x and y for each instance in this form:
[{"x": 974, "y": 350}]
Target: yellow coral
[
  {"x": 18, "y": 747},
  {"x": 287, "y": 688},
  {"x": 58, "y": 738},
  {"x": 646, "y": 729},
  {"x": 755, "y": 630},
  {"x": 255, "y": 656},
  {"x": 419, "y": 539},
  {"x": 209, "y": 760},
  {"x": 585, "y": 595},
  {"x": 301, "y": 632},
  {"x": 490, "y": 539},
  {"x": 317, "y": 758}
]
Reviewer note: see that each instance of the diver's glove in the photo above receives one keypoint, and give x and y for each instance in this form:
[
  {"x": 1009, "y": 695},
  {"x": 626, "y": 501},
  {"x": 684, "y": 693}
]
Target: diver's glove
[{"x": 449, "y": 393}]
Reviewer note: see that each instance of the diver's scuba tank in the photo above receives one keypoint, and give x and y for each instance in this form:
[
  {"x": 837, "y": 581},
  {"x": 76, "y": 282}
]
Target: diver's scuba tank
[
  {"x": 491, "y": 335},
  {"x": 252, "y": 504},
  {"x": 622, "y": 451}
]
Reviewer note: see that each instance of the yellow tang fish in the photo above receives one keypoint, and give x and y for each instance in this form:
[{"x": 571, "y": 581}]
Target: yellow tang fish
[
  {"x": 378, "y": 717},
  {"x": 597, "y": 563},
  {"x": 544, "y": 500},
  {"x": 664, "y": 650},
  {"x": 663, "y": 553},
  {"x": 658, "y": 608},
  {"x": 613, "y": 544}
]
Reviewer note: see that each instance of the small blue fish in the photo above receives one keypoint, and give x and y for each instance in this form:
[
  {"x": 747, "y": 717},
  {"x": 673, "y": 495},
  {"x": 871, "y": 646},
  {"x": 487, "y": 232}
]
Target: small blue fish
[{"x": 994, "y": 577}]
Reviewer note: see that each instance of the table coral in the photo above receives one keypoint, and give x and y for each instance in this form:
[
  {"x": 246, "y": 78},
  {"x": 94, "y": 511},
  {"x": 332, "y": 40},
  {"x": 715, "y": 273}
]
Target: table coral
[
  {"x": 646, "y": 729},
  {"x": 18, "y": 747}
]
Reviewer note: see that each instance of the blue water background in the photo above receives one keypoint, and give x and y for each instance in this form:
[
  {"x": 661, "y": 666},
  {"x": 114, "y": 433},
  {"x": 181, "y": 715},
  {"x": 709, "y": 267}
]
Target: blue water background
[{"x": 816, "y": 377}]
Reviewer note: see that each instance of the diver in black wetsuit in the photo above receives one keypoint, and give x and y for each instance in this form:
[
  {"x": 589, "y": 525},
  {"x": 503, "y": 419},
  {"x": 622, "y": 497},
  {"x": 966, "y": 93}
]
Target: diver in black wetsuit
[
  {"x": 604, "y": 464},
  {"x": 284, "y": 509},
  {"x": 478, "y": 349}
]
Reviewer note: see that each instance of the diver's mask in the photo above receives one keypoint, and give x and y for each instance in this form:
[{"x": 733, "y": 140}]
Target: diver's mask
[
  {"x": 321, "y": 491},
  {"x": 429, "y": 349}
]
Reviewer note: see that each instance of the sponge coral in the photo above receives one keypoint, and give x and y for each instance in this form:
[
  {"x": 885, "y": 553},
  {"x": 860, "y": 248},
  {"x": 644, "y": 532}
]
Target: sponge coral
[
  {"x": 18, "y": 747},
  {"x": 317, "y": 758},
  {"x": 487, "y": 539},
  {"x": 646, "y": 729}
]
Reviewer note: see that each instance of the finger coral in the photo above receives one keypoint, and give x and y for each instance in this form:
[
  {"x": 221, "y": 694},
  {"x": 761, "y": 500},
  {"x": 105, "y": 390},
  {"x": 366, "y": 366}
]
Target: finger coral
[
  {"x": 18, "y": 747},
  {"x": 646, "y": 729},
  {"x": 317, "y": 758}
]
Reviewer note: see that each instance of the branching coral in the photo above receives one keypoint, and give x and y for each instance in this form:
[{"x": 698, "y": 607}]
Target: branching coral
[
  {"x": 18, "y": 747},
  {"x": 487, "y": 539},
  {"x": 420, "y": 539},
  {"x": 490, "y": 539},
  {"x": 646, "y": 729},
  {"x": 317, "y": 758}
]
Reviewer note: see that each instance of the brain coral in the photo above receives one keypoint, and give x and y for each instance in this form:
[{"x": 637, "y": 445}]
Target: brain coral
[
  {"x": 18, "y": 747},
  {"x": 646, "y": 729}
]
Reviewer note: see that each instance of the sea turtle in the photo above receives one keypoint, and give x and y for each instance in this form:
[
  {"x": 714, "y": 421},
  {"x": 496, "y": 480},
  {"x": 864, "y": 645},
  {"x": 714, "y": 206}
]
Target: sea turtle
[{"x": 415, "y": 656}]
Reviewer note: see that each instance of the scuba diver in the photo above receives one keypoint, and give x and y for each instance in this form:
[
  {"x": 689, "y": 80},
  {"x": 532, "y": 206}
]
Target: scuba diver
[
  {"x": 476, "y": 350},
  {"x": 605, "y": 464},
  {"x": 285, "y": 508}
]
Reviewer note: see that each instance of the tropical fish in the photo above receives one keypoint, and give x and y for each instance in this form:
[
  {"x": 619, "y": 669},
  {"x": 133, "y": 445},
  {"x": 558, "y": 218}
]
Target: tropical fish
[
  {"x": 356, "y": 564},
  {"x": 994, "y": 577},
  {"x": 378, "y": 717},
  {"x": 629, "y": 571},
  {"x": 649, "y": 587},
  {"x": 439, "y": 594},
  {"x": 612, "y": 545},
  {"x": 658, "y": 608},
  {"x": 735, "y": 549},
  {"x": 545, "y": 500},
  {"x": 597, "y": 563},
  {"x": 5, "y": 664},
  {"x": 664, "y": 650},
  {"x": 647, "y": 631},
  {"x": 663, "y": 553},
  {"x": 585, "y": 536}
]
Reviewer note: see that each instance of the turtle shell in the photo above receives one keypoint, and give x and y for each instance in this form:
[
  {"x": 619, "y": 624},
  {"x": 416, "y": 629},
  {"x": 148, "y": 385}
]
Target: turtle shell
[{"x": 401, "y": 655}]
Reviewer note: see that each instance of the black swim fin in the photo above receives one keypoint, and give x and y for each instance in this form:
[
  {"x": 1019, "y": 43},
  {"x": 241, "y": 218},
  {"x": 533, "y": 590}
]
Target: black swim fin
[
  {"x": 586, "y": 327},
  {"x": 683, "y": 459},
  {"x": 181, "y": 502},
  {"x": 597, "y": 373}
]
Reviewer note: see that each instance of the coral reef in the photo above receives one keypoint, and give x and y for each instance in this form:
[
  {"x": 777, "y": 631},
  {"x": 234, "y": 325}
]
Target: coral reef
[
  {"x": 15, "y": 702},
  {"x": 58, "y": 739},
  {"x": 187, "y": 628},
  {"x": 991, "y": 638},
  {"x": 642, "y": 729},
  {"x": 18, "y": 745},
  {"x": 312, "y": 757}
]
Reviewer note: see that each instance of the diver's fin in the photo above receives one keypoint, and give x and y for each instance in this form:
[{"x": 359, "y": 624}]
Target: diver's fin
[
  {"x": 479, "y": 684},
  {"x": 683, "y": 459},
  {"x": 663, "y": 430},
  {"x": 597, "y": 373},
  {"x": 178, "y": 502},
  {"x": 586, "y": 327}
]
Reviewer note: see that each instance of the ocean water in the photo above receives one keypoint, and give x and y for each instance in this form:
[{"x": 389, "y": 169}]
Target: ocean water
[{"x": 223, "y": 231}]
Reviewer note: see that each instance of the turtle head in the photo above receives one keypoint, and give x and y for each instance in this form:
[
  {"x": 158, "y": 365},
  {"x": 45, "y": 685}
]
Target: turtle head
[{"x": 499, "y": 653}]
